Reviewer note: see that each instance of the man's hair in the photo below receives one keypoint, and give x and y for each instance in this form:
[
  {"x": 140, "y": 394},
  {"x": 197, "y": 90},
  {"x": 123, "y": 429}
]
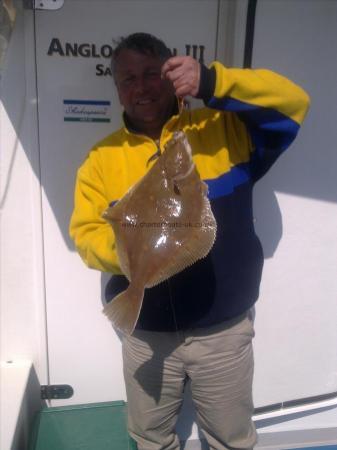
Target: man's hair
[{"x": 142, "y": 43}]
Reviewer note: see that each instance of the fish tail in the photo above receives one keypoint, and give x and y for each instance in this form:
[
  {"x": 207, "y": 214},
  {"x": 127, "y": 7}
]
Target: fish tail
[{"x": 123, "y": 311}]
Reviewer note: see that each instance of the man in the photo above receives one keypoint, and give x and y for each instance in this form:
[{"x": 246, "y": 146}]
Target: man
[{"x": 197, "y": 325}]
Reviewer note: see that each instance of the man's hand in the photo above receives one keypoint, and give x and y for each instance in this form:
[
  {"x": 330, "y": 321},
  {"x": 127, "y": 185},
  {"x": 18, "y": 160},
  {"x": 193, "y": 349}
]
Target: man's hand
[{"x": 184, "y": 73}]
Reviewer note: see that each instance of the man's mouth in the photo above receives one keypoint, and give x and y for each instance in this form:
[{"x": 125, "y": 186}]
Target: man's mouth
[{"x": 145, "y": 101}]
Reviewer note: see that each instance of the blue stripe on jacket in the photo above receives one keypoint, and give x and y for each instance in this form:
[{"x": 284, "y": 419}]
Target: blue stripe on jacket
[
  {"x": 268, "y": 127},
  {"x": 271, "y": 131},
  {"x": 226, "y": 183}
]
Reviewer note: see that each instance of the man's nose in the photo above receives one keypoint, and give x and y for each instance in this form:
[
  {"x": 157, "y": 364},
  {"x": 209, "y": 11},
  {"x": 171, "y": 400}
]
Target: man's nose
[{"x": 140, "y": 85}]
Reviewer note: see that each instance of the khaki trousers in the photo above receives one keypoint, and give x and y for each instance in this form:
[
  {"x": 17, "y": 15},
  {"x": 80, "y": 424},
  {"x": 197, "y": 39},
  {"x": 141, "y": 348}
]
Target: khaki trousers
[{"x": 219, "y": 363}]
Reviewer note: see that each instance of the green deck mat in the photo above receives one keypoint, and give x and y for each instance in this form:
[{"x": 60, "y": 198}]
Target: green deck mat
[{"x": 96, "y": 426}]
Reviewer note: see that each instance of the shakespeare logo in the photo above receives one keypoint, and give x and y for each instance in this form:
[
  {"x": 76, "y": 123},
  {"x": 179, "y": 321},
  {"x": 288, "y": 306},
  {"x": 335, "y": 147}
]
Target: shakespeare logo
[{"x": 86, "y": 110}]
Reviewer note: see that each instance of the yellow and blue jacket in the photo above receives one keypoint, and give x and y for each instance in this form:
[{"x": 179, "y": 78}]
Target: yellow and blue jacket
[{"x": 250, "y": 118}]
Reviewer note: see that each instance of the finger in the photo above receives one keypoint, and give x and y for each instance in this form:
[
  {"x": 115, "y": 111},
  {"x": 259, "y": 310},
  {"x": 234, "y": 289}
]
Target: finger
[
  {"x": 172, "y": 63},
  {"x": 183, "y": 90},
  {"x": 175, "y": 74},
  {"x": 181, "y": 81},
  {"x": 186, "y": 71},
  {"x": 192, "y": 82}
]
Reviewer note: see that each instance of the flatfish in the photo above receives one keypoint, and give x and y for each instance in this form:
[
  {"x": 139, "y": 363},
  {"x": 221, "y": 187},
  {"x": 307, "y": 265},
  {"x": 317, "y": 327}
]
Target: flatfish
[{"x": 162, "y": 225}]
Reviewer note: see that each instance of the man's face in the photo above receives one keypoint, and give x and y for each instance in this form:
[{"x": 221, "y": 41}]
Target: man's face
[{"x": 147, "y": 98}]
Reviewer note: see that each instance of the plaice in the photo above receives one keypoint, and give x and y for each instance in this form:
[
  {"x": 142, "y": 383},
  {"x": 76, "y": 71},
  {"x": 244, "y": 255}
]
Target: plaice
[{"x": 162, "y": 225}]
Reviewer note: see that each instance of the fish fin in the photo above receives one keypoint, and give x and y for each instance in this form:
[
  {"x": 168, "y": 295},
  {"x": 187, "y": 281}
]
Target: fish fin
[
  {"x": 193, "y": 250},
  {"x": 123, "y": 311}
]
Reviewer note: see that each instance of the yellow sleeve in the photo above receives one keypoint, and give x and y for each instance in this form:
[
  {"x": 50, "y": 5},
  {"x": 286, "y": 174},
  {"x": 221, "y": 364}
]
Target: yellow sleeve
[
  {"x": 93, "y": 236},
  {"x": 245, "y": 90},
  {"x": 271, "y": 107}
]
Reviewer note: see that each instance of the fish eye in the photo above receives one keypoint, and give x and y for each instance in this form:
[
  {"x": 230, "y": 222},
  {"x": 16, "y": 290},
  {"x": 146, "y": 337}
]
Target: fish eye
[{"x": 176, "y": 189}]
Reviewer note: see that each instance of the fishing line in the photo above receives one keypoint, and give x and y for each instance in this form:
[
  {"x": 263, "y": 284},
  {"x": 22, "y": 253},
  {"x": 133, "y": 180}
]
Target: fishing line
[{"x": 172, "y": 306}]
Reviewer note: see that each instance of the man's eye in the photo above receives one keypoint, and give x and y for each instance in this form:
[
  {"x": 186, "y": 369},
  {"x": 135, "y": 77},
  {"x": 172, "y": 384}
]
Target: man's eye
[
  {"x": 153, "y": 74},
  {"x": 128, "y": 80}
]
